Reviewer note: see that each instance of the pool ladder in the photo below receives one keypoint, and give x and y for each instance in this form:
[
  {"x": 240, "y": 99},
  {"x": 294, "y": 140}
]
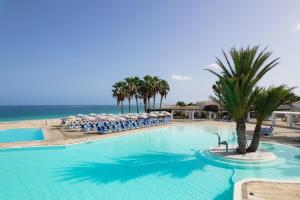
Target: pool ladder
[{"x": 223, "y": 142}]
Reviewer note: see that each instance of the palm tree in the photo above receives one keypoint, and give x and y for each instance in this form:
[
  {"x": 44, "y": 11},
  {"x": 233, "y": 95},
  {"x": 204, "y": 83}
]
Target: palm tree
[
  {"x": 149, "y": 86},
  {"x": 218, "y": 99},
  {"x": 119, "y": 92},
  {"x": 135, "y": 85},
  {"x": 265, "y": 102},
  {"x": 292, "y": 98},
  {"x": 131, "y": 89},
  {"x": 143, "y": 92},
  {"x": 163, "y": 89},
  {"x": 155, "y": 88},
  {"x": 237, "y": 82}
]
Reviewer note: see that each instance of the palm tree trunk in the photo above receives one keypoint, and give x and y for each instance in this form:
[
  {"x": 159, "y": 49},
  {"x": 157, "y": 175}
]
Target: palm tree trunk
[
  {"x": 154, "y": 97},
  {"x": 129, "y": 104},
  {"x": 137, "y": 104},
  {"x": 241, "y": 136},
  {"x": 145, "y": 104},
  {"x": 122, "y": 107},
  {"x": 221, "y": 109},
  {"x": 148, "y": 104},
  {"x": 161, "y": 98},
  {"x": 255, "y": 139}
]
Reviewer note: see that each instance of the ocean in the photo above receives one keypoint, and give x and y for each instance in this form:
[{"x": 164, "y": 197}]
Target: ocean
[{"x": 18, "y": 113}]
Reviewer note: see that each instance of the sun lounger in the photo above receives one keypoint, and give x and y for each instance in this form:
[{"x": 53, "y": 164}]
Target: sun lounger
[{"x": 267, "y": 131}]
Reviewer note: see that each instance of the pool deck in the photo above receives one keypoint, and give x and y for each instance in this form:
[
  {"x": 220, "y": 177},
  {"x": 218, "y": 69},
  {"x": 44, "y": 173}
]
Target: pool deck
[
  {"x": 55, "y": 135},
  {"x": 258, "y": 189},
  {"x": 259, "y": 156}
]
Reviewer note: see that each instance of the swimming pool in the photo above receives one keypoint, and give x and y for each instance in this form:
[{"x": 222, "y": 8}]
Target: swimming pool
[
  {"x": 21, "y": 134},
  {"x": 166, "y": 163}
]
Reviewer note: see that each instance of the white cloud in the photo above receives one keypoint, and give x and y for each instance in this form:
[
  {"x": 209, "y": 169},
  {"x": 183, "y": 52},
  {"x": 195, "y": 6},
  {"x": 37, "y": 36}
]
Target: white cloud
[
  {"x": 180, "y": 77},
  {"x": 213, "y": 66},
  {"x": 297, "y": 27}
]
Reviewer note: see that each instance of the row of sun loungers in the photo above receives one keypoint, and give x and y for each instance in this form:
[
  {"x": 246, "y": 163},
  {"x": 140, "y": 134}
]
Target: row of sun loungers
[{"x": 106, "y": 123}]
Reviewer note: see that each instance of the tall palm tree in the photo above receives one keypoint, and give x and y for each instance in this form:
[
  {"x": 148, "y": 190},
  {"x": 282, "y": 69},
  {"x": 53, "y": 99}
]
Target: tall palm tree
[
  {"x": 131, "y": 90},
  {"x": 119, "y": 92},
  {"x": 136, "y": 82},
  {"x": 149, "y": 86},
  {"x": 237, "y": 82},
  {"x": 265, "y": 102},
  {"x": 163, "y": 89},
  {"x": 143, "y": 93},
  {"x": 155, "y": 88}
]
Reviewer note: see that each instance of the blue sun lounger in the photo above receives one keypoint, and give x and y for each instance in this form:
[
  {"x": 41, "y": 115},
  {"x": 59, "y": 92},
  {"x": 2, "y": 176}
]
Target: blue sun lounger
[{"x": 267, "y": 131}]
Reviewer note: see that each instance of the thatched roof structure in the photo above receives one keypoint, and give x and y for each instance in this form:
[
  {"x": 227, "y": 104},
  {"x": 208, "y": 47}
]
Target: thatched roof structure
[
  {"x": 202, "y": 104},
  {"x": 181, "y": 108}
]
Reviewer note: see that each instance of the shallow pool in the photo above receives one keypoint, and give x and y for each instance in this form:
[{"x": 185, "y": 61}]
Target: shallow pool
[
  {"x": 21, "y": 134},
  {"x": 167, "y": 163}
]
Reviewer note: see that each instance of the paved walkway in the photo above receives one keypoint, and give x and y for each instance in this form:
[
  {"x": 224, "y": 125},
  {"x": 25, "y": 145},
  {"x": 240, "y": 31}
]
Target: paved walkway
[{"x": 269, "y": 190}]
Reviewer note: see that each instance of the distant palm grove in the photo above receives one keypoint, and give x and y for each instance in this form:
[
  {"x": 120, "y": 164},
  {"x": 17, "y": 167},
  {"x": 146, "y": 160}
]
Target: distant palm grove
[{"x": 145, "y": 89}]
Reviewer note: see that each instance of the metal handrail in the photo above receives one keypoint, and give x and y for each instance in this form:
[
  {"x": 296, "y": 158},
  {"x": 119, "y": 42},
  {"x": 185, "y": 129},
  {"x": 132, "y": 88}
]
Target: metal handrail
[
  {"x": 219, "y": 138},
  {"x": 223, "y": 142},
  {"x": 226, "y": 144}
]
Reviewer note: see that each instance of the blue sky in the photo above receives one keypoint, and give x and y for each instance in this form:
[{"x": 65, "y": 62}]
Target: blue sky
[{"x": 71, "y": 52}]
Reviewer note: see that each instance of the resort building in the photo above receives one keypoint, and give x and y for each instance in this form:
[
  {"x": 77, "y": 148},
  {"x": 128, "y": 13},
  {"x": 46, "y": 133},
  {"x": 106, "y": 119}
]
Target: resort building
[{"x": 201, "y": 110}]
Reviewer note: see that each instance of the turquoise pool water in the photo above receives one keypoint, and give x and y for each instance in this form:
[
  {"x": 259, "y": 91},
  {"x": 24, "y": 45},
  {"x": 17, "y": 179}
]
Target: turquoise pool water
[
  {"x": 166, "y": 163},
  {"x": 21, "y": 134}
]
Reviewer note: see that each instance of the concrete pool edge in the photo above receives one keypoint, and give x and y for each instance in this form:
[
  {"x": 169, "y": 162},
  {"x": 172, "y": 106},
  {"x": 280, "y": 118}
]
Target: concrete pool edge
[
  {"x": 260, "y": 156},
  {"x": 238, "y": 195}
]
